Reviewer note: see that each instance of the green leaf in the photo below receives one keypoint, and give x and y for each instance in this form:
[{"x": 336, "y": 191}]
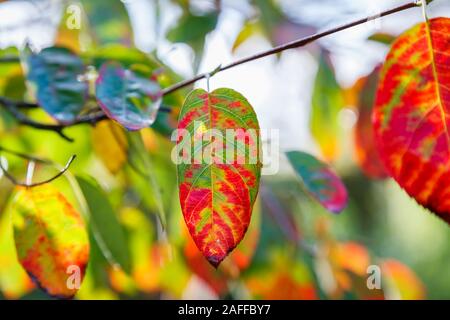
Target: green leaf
[
  {"x": 105, "y": 225},
  {"x": 109, "y": 21},
  {"x": 142, "y": 162},
  {"x": 320, "y": 181},
  {"x": 327, "y": 102},
  {"x": 129, "y": 96},
  {"x": 55, "y": 73}
]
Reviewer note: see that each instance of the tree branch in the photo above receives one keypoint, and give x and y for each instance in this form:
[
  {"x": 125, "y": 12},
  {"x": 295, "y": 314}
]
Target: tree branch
[
  {"x": 14, "y": 181},
  {"x": 290, "y": 45},
  {"x": 92, "y": 118}
]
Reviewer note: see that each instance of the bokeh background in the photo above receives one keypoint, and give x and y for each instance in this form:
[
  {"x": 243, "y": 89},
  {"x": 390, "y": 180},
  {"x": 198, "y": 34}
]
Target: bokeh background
[{"x": 296, "y": 249}]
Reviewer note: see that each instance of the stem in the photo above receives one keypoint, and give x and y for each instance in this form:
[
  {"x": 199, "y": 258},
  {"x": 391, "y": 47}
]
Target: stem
[{"x": 28, "y": 183}]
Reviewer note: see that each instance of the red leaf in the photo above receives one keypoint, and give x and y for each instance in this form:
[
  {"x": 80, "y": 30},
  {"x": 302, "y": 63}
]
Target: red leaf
[
  {"x": 411, "y": 116},
  {"x": 366, "y": 152},
  {"x": 217, "y": 193}
]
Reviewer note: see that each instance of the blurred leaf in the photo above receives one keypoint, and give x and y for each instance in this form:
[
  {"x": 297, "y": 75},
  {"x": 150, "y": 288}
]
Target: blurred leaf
[
  {"x": 250, "y": 29},
  {"x": 14, "y": 281},
  {"x": 73, "y": 31},
  {"x": 105, "y": 225},
  {"x": 192, "y": 30},
  {"x": 110, "y": 144},
  {"x": 51, "y": 240},
  {"x": 410, "y": 114},
  {"x": 366, "y": 151},
  {"x": 55, "y": 74},
  {"x": 320, "y": 181},
  {"x": 282, "y": 279},
  {"x": 384, "y": 38},
  {"x": 327, "y": 102},
  {"x": 109, "y": 21},
  {"x": 129, "y": 96},
  {"x": 401, "y": 282},
  {"x": 142, "y": 163},
  {"x": 141, "y": 238},
  {"x": 124, "y": 55}
]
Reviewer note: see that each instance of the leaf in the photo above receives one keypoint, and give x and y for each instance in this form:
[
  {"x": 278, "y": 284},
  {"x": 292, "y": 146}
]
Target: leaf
[
  {"x": 55, "y": 73},
  {"x": 401, "y": 282},
  {"x": 105, "y": 224},
  {"x": 51, "y": 239},
  {"x": 384, "y": 38},
  {"x": 366, "y": 152},
  {"x": 110, "y": 144},
  {"x": 129, "y": 96},
  {"x": 411, "y": 114},
  {"x": 250, "y": 29},
  {"x": 73, "y": 31},
  {"x": 320, "y": 181},
  {"x": 192, "y": 30},
  {"x": 327, "y": 102},
  {"x": 124, "y": 55},
  {"x": 14, "y": 281},
  {"x": 109, "y": 20},
  {"x": 142, "y": 163},
  {"x": 217, "y": 196},
  {"x": 282, "y": 278}
]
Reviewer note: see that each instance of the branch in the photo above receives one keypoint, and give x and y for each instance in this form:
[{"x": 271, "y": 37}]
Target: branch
[
  {"x": 32, "y": 159},
  {"x": 290, "y": 45},
  {"x": 92, "y": 118}
]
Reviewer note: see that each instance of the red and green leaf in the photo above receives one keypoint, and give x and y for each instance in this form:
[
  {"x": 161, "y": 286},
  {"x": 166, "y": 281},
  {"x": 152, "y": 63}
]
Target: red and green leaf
[
  {"x": 365, "y": 149},
  {"x": 51, "y": 239},
  {"x": 320, "y": 181},
  {"x": 412, "y": 114},
  {"x": 217, "y": 196}
]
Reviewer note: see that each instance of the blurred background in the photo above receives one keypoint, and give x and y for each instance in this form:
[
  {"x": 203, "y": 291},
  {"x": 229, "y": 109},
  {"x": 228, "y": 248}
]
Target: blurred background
[{"x": 315, "y": 96}]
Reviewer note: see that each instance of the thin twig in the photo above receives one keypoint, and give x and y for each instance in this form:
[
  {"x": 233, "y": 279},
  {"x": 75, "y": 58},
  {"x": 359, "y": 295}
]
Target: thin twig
[
  {"x": 290, "y": 45},
  {"x": 32, "y": 185},
  {"x": 93, "y": 118}
]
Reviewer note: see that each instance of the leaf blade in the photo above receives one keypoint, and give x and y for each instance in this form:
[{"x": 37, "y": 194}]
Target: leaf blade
[
  {"x": 50, "y": 238},
  {"x": 217, "y": 198},
  {"x": 411, "y": 114},
  {"x": 320, "y": 181}
]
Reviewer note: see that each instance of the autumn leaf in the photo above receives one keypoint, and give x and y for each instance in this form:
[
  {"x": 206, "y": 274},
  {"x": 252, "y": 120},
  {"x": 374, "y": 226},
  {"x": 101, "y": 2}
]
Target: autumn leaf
[
  {"x": 110, "y": 145},
  {"x": 411, "y": 115},
  {"x": 327, "y": 102},
  {"x": 14, "y": 281},
  {"x": 401, "y": 282},
  {"x": 51, "y": 240},
  {"x": 55, "y": 73},
  {"x": 217, "y": 193},
  {"x": 320, "y": 181},
  {"x": 129, "y": 96},
  {"x": 365, "y": 149}
]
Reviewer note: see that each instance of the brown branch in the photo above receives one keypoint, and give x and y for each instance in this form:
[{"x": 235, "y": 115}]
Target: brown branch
[
  {"x": 92, "y": 118},
  {"x": 290, "y": 45}
]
